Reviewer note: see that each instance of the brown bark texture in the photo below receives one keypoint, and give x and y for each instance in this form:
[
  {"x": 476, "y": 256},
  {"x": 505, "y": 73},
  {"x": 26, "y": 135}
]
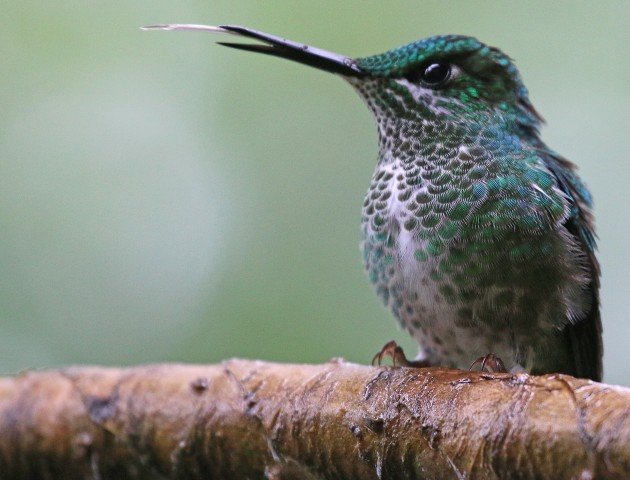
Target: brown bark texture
[{"x": 251, "y": 419}]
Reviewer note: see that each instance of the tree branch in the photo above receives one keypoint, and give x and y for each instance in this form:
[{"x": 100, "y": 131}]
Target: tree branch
[{"x": 248, "y": 419}]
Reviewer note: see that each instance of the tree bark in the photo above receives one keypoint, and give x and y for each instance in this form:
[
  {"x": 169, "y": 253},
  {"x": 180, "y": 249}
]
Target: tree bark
[{"x": 250, "y": 419}]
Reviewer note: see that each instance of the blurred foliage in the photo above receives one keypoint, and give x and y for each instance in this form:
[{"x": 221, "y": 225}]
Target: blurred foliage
[{"x": 163, "y": 198}]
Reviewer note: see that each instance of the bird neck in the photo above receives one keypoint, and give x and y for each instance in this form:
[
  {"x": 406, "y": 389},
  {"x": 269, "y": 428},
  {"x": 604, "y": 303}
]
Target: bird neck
[{"x": 416, "y": 124}]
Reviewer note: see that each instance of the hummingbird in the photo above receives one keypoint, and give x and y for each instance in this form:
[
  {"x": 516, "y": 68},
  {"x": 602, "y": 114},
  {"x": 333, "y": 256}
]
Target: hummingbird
[{"x": 476, "y": 234}]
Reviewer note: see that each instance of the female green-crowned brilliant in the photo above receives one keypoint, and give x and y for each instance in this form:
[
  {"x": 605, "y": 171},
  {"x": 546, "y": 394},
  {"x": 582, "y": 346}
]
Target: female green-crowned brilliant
[{"x": 477, "y": 235}]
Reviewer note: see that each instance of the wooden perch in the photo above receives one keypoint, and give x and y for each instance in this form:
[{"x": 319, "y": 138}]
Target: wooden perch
[{"x": 248, "y": 419}]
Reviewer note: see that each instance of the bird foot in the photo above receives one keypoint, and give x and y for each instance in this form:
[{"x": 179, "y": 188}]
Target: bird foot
[
  {"x": 490, "y": 363},
  {"x": 394, "y": 351}
]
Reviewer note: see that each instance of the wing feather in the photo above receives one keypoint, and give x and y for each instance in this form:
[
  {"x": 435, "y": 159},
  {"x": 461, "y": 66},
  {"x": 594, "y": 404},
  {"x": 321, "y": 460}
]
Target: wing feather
[{"x": 584, "y": 337}]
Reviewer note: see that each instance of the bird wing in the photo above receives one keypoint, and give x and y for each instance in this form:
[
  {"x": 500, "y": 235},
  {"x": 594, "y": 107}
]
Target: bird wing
[{"x": 584, "y": 337}]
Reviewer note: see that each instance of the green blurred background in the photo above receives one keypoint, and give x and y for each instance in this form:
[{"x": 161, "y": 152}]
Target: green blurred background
[{"x": 163, "y": 198}]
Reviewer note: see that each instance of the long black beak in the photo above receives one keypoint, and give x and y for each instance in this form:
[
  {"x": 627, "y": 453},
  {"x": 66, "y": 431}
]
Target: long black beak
[{"x": 278, "y": 47}]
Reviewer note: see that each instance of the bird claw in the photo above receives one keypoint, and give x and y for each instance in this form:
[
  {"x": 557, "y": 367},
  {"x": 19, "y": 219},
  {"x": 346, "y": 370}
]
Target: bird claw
[
  {"x": 490, "y": 363},
  {"x": 394, "y": 351}
]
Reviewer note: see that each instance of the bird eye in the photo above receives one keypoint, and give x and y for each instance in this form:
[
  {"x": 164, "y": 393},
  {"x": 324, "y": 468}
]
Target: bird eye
[{"x": 432, "y": 74}]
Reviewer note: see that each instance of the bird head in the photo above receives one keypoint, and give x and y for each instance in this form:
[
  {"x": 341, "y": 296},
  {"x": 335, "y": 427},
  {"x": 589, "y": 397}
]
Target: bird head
[{"x": 440, "y": 77}]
